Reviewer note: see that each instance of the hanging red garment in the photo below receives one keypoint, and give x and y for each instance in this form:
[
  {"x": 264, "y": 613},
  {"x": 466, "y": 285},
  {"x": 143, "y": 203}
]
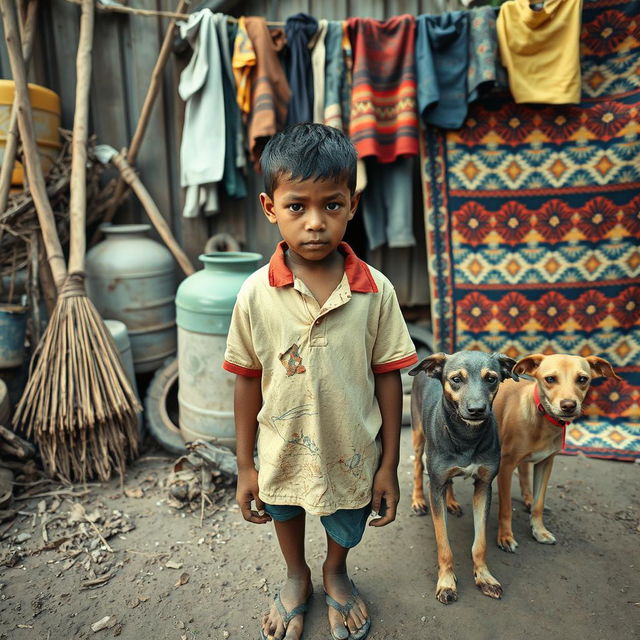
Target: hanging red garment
[{"x": 384, "y": 121}]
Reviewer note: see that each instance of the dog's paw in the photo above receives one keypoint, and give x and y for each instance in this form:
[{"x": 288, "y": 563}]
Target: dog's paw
[
  {"x": 419, "y": 508},
  {"x": 491, "y": 590},
  {"x": 543, "y": 536},
  {"x": 507, "y": 543},
  {"x": 446, "y": 595},
  {"x": 454, "y": 508}
]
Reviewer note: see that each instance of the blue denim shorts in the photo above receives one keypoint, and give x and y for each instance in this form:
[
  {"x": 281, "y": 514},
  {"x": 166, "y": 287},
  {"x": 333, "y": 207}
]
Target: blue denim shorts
[{"x": 345, "y": 526}]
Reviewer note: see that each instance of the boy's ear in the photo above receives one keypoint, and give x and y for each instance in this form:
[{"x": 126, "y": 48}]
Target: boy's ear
[
  {"x": 355, "y": 199},
  {"x": 267, "y": 207}
]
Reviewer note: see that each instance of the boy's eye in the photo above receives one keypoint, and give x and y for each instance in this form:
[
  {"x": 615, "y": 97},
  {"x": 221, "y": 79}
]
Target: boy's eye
[
  {"x": 334, "y": 206},
  {"x": 296, "y": 207}
]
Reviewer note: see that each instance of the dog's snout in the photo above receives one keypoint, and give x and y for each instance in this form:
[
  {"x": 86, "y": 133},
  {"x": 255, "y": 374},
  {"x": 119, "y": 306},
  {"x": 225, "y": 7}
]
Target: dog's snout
[
  {"x": 477, "y": 410},
  {"x": 568, "y": 405}
]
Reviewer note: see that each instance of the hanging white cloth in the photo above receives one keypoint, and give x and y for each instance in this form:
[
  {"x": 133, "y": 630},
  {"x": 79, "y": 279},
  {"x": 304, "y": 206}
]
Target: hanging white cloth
[{"x": 203, "y": 140}]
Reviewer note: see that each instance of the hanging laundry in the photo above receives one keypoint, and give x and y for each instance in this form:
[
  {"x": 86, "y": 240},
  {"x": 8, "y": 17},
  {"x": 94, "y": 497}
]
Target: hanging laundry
[
  {"x": 243, "y": 63},
  {"x": 334, "y": 76},
  {"x": 483, "y": 72},
  {"x": 387, "y": 203},
  {"x": 299, "y": 29},
  {"x": 442, "y": 61},
  {"x": 202, "y": 150},
  {"x": 270, "y": 93},
  {"x": 318, "y": 59},
  {"x": 541, "y": 50},
  {"x": 233, "y": 178},
  {"x": 383, "y": 119}
]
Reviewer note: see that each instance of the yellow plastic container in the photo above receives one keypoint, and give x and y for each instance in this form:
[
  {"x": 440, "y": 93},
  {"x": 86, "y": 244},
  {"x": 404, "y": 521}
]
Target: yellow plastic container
[{"x": 45, "y": 105}]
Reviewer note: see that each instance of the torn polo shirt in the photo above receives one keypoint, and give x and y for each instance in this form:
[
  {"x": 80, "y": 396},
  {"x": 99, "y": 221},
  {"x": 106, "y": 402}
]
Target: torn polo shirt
[{"x": 318, "y": 444}]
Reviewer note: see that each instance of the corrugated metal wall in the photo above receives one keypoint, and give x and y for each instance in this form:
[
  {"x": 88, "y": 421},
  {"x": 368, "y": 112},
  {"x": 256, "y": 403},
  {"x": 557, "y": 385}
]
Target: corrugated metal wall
[{"x": 125, "y": 50}]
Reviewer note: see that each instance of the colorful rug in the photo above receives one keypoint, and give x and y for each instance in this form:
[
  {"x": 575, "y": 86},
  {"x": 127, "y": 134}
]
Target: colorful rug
[{"x": 533, "y": 228}]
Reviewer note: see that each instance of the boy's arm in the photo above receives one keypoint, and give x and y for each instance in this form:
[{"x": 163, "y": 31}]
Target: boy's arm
[
  {"x": 247, "y": 402},
  {"x": 388, "y": 391}
]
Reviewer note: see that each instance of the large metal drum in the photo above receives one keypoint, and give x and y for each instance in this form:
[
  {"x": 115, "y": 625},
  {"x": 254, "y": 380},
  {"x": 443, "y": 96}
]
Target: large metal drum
[
  {"x": 132, "y": 278},
  {"x": 204, "y": 303}
]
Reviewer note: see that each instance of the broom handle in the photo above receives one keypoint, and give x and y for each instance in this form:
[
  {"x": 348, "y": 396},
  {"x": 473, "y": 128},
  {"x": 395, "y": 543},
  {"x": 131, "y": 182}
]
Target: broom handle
[
  {"x": 145, "y": 114},
  {"x": 27, "y": 135},
  {"x": 128, "y": 175},
  {"x": 11, "y": 145},
  {"x": 78, "y": 182}
]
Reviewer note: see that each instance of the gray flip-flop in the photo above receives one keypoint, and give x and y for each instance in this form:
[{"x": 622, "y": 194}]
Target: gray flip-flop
[
  {"x": 344, "y": 610},
  {"x": 287, "y": 616}
]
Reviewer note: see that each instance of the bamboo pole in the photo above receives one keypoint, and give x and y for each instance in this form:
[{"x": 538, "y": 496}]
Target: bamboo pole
[
  {"x": 129, "y": 176},
  {"x": 27, "y": 135},
  {"x": 145, "y": 115},
  {"x": 11, "y": 143},
  {"x": 78, "y": 183}
]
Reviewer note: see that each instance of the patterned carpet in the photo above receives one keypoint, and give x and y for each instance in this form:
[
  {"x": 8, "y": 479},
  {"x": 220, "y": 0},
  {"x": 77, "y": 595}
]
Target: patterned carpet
[{"x": 533, "y": 228}]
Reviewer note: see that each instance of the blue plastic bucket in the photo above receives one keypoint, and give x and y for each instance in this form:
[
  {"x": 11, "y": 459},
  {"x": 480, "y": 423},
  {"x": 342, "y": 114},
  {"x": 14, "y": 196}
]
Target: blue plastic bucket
[{"x": 13, "y": 324}]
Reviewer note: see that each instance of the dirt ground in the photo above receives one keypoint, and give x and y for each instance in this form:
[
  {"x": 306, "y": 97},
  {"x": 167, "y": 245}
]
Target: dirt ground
[{"x": 225, "y": 572}]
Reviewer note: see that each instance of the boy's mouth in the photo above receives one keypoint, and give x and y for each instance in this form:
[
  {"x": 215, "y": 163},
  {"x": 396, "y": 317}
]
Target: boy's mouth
[{"x": 314, "y": 243}]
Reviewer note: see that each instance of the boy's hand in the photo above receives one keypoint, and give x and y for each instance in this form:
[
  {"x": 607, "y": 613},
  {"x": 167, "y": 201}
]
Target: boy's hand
[
  {"x": 386, "y": 495},
  {"x": 246, "y": 491}
]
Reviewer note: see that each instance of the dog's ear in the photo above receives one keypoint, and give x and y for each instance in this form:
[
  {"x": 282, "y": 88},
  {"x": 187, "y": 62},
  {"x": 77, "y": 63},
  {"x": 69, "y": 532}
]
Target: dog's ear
[
  {"x": 432, "y": 365},
  {"x": 506, "y": 367},
  {"x": 601, "y": 368},
  {"x": 529, "y": 364}
]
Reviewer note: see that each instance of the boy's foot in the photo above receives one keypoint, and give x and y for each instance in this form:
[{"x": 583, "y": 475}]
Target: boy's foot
[
  {"x": 286, "y": 617},
  {"x": 348, "y": 615}
]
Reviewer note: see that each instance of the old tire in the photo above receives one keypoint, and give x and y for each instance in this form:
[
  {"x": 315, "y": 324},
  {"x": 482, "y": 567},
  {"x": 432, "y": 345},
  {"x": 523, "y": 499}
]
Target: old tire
[{"x": 162, "y": 392}]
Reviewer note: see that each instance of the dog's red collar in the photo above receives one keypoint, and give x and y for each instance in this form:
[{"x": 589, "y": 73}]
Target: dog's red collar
[{"x": 543, "y": 412}]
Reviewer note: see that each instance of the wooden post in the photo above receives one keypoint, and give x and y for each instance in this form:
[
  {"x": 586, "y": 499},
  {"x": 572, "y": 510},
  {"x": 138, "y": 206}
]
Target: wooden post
[
  {"x": 11, "y": 144},
  {"x": 78, "y": 184},
  {"x": 27, "y": 135}
]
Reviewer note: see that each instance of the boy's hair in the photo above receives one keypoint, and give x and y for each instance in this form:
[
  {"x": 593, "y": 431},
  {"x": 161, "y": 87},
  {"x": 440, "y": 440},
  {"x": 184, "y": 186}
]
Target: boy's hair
[{"x": 308, "y": 150}]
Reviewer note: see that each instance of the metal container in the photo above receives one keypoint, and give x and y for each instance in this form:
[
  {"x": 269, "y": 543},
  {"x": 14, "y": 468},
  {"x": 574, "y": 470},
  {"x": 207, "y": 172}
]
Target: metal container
[
  {"x": 204, "y": 303},
  {"x": 13, "y": 324},
  {"x": 132, "y": 278},
  {"x": 118, "y": 331}
]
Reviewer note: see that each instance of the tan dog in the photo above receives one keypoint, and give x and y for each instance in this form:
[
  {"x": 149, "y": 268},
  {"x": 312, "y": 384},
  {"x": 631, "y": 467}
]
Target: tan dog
[{"x": 532, "y": 417}]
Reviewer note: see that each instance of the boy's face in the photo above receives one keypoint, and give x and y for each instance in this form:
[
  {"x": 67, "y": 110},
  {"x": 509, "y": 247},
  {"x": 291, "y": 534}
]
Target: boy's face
[{"x": 311, "y": 215}]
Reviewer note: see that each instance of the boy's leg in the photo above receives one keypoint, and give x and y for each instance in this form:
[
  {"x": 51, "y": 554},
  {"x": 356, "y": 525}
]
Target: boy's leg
[
  {"x": 338, "y": 585},
  {"x": 297, "y": 589}
]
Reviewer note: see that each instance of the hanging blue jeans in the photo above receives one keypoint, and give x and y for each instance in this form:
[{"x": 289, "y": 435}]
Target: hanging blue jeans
[{"x": 387, "y": 203}]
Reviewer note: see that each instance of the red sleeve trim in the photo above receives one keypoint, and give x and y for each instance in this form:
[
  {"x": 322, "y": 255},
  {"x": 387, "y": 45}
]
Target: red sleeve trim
[
  {"x": 241, "y": 371},
  {"x": 396, "y": 364}
]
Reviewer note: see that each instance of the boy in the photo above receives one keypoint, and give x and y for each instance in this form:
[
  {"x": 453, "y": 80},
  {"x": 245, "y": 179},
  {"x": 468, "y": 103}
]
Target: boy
[{"x": 317, "y": 340}]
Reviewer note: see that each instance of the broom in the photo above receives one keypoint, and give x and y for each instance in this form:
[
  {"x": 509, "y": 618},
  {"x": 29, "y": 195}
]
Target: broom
[{"x": 78, "y": 404}]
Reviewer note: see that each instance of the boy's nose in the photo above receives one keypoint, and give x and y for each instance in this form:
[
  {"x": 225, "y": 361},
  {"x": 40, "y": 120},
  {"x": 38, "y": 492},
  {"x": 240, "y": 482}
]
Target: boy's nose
[{"x": 315, "y": 220}]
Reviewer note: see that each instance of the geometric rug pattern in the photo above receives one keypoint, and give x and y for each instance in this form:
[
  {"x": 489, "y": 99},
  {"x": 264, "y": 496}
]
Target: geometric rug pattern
[{"x": 532, "y": 215}]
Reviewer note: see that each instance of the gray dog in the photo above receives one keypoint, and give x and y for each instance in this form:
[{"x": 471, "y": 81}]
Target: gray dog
[{"x": 452, "y": 415}]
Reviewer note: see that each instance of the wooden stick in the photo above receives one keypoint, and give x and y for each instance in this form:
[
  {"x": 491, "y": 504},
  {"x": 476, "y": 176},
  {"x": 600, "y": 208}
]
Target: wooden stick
[
  {"x": 145, "y": 115},
  {"x": 129, "y": 176},
  {"x": 78, "y": 184},
  {"x": 11, "y": 143},
  {"x": 27, "y": 135}
]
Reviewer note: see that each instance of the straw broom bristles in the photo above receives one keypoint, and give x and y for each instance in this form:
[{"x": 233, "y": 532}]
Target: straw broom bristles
[{"x": 78, "y": 404}]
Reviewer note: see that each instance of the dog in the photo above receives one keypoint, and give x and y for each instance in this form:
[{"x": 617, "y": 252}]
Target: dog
[
  {"x": 452, "y": 416},
  {"x": 532, "y": 418}
]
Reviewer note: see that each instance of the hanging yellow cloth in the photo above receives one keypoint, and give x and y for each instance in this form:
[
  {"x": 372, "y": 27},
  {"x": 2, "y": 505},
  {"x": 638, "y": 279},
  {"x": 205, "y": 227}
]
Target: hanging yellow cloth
[
  {"x": 541, "y": 50},
  {"x": 243, "y": 62}
]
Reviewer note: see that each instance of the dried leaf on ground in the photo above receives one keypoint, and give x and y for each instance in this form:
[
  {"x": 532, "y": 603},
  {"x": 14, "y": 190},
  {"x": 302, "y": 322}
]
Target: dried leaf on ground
[
  {"x": 104, "y": 623},
  {"x": 183, "y": 579}
]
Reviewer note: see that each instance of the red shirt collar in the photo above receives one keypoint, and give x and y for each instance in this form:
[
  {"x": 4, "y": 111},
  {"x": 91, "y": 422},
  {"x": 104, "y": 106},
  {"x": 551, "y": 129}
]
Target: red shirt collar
[{"x": 358, "y": 272}]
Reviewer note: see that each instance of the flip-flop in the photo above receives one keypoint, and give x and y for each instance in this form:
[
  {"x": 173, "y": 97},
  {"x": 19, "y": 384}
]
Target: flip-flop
[
  {"x": 287, "y": 616},
  {"x": 344, "y": 610}
]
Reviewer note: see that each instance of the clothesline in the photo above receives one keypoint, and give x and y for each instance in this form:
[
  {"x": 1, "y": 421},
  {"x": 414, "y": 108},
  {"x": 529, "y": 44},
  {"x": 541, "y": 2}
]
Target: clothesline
[{"x": 112, "y": 6}]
